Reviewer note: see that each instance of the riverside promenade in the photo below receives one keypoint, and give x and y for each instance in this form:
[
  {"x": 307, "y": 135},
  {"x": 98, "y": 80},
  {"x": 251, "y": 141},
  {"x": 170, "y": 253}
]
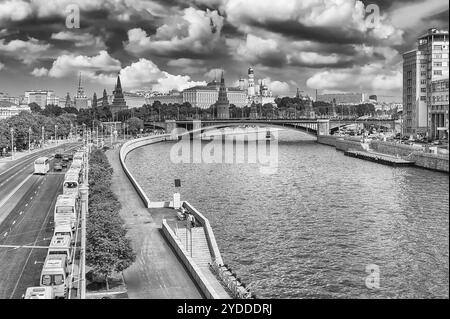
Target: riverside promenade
[{"x": 157, "y": 272}]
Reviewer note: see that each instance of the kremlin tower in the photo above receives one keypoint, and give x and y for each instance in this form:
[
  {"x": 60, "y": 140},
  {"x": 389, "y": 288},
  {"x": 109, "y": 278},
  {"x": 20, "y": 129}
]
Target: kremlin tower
[{"x": 222, "y": 104}]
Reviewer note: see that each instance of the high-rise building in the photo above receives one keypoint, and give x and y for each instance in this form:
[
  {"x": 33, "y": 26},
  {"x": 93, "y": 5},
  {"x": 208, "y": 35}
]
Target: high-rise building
[
  {"x": 118, "y": 103},
  {"x": 421, "y": 67},
  {"x": 438, "y": 109},
  {"x": 222, "y": 104},
  {"x": 41, "y": 97},
  {"x": 80, "y": 99}
]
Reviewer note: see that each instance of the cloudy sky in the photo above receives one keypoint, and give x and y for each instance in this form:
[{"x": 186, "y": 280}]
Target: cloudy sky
[{"x": 329, "y": 45}]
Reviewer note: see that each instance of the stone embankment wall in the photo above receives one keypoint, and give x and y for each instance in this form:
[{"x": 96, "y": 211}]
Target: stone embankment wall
[{"x": 436, "y": 162}]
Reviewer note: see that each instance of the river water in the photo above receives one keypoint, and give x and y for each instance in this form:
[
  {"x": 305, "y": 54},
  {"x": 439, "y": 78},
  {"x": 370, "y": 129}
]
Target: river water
[{"x": 311, "y": 229}]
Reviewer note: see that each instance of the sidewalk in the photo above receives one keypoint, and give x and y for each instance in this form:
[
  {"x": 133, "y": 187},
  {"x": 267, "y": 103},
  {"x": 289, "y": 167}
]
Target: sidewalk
[{"x": 157, "y": 272}]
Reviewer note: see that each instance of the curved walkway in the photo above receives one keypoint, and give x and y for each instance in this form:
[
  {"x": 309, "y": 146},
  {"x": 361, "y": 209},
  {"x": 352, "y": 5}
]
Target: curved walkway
[{"x": 157, "y": 272}]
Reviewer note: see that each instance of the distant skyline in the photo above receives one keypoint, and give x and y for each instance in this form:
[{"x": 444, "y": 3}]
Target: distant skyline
[{"x": 173, "y": 44}]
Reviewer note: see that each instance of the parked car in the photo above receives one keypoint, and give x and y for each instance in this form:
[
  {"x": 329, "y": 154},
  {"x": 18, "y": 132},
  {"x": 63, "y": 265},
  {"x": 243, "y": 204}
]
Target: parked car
[{"x": 57, "y": 167}]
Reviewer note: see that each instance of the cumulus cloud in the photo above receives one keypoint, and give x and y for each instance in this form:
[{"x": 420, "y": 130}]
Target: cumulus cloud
[
  {"x": 80, "y": 39},
  {"x": 277, "y": 87},
  {"x": 372, "y": 77},
  {"x": 27, "y": 51},
  {"x": 213, "y": 74},
  {"x": 39, "y": 72},
  {"x": 345, "y": 18},
  {"x": 14, "y": 10},
  {"x": 142, "y": 74},
  {"x": 259, "y": 50},
  {"x": 194, "y": 32},
  {"x": 190, "y": 66},
  {"x": 70, "y": 64}
]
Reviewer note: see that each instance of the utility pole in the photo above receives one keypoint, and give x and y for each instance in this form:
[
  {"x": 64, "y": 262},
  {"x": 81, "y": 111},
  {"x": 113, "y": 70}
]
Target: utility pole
[
  {"x": 29, "y": 140},
  {"x": 43, "y": 137},
  {"x": 12, "y": 143}
]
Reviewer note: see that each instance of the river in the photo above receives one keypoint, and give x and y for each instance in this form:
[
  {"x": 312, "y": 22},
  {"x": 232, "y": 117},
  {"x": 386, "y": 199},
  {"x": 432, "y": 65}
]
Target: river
[{"x": 310, "y": 229}]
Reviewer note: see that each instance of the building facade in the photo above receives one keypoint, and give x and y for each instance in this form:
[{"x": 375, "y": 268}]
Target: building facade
[
  {"x": 438, "y": 110},
  {"x": 41, "y": 97},
  {"x": 421, "y": 67},
  {"x": 342, "y": 98},
  {"x": 6, "y": 98},
  {"x": 8, "y": 109},
  {"x": 171, "y": 98},
  {"x": 205, "y": 96}
]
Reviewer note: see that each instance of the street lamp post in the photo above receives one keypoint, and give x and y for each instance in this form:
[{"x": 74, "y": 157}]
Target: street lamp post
[
  {"x": 56, "y": 128},
  {"x": 43, "y": 137},
  {"x": 12, "y": 143},
  {"x": 29, "y": 140}
]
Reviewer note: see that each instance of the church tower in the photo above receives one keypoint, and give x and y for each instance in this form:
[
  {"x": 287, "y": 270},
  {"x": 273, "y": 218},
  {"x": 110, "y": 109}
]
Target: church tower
[
  {"x": 222, "y": 104},
  {"x": 80, "y": 99},
  {"x": 251, "y": 82},
  {"x": 118, "y": 103}
]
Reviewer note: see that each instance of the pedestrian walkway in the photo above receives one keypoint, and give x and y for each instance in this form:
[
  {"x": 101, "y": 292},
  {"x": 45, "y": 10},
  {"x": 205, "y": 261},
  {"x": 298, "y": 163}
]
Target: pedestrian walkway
[
  {"x": 198, "y": 249},
  {"x": 157, "y": 271}
]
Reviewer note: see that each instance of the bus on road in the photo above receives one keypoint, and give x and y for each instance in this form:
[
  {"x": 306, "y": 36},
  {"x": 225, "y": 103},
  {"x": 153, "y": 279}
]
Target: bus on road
[
  {"x": 66, "y": 210},
  {"x": 41, "y": 165}
]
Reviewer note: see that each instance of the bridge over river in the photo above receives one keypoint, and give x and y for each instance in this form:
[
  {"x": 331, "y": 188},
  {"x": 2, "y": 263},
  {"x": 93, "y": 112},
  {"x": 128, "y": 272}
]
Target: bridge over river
[{"x": 313, "y": 126}]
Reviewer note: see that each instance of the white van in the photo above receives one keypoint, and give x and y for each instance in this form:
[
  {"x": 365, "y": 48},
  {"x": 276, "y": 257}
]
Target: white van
[
  {"x": 61, "y": 245},
  {"x": 71, "y": 185},
  {"x": 63, "y": 228},
  {"x": 55, "y": 275}
]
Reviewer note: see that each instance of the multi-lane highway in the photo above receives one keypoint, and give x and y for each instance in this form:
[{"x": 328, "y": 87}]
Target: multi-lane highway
[{"x": 26, "y": 223}]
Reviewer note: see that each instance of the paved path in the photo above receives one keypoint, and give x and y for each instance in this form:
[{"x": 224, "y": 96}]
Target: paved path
[{"x": 157, "y": 272}]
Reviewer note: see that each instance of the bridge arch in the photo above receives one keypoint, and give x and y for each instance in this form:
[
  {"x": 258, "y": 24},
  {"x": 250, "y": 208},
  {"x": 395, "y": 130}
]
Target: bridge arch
[{"x": 308, "y": 128}]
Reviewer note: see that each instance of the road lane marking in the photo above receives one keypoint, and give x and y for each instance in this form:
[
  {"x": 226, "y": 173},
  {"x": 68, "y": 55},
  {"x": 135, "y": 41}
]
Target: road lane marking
[
  {"x": 24, "y": 159},
  {"x": 13, "y": 222},
  {"x": 21, "y": 213},
  {"x": 8, "y": 197},
  {"x": 35, "y": 241},
  {"x": 5, "y": 234}
]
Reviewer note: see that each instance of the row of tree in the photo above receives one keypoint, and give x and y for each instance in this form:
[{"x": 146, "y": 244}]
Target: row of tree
[
  {"x": 108, "y": 250},
  {"x": 30, "y": 128}
]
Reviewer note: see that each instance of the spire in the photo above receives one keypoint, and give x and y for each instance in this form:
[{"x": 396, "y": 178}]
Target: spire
[
  {"x": 118, "y": 84},
  {"x": 79, "y": 81}
]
